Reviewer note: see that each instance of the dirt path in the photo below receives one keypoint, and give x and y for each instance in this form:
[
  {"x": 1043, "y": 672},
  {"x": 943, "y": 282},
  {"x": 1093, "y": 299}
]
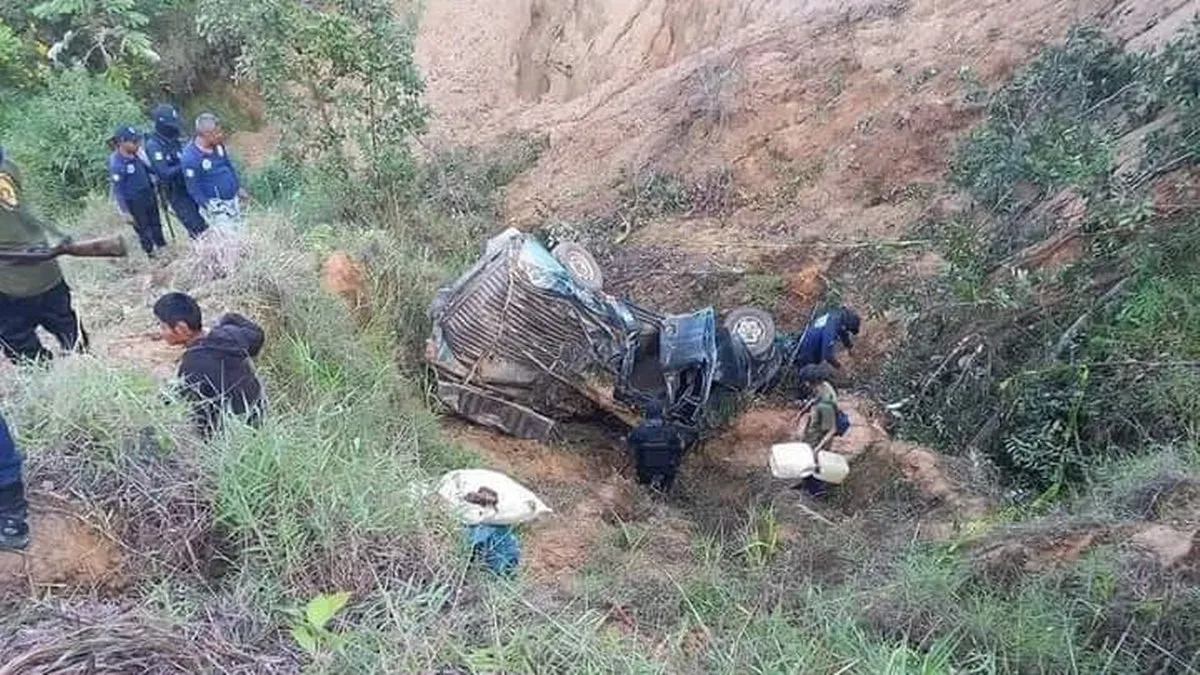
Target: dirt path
[
  {"x": 65, "y": 550},
  {"x": 71, "y": 545}
]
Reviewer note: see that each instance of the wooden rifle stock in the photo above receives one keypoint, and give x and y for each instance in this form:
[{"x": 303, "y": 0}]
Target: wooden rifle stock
[{"x": 111, "y": 247}]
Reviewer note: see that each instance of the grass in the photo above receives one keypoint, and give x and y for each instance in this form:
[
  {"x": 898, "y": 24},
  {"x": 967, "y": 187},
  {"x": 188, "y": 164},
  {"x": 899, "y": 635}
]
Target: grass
[
  {"x": 322, "y": 500},
  {"x": 228, "y": 539}
]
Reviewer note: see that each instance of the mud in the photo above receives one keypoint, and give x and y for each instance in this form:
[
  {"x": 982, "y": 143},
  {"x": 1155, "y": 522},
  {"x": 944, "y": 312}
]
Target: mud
[
  {"x": 65, "y": 551},
  {"x": 345, "y": 277},
  {"x": 588, "y": 481}
]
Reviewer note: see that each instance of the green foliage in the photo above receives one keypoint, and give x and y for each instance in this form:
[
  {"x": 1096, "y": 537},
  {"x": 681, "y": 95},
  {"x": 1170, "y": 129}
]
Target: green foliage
[
  {"x": 762, "y": 536},
  {"x": 1047, "y": 127},
  {"x": 1047, "y": 418},
  {"x": 341, "y": 84},
  {"x": 106, "y": 35},
  {"x": 310, "y": 628},
  {"x": 188, "y": 65},
  {"x": 277, "y": 181},
  {"x": 468, "y": 181},
  {"x": 1125, "y": 375},
  {"x": 764, "y": 289},
  {"x": 57, "y": 138},
  {"x": 20, "y": 69}
]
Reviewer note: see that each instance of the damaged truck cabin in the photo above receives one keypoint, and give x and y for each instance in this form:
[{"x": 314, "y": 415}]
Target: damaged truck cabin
[{"x": 526, "y": 337}]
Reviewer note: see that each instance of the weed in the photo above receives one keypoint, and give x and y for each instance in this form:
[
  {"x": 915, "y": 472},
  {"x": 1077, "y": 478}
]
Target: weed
[
  {"x": 762, "y": 537},
  {"x": 310, "y": 628},
  {"x": 764, "y": 290},
  {"x": 1045, "y": 419}
]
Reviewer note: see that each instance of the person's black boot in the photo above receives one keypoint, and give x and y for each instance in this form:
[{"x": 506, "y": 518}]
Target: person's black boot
[{"x": 14, "y": 532}]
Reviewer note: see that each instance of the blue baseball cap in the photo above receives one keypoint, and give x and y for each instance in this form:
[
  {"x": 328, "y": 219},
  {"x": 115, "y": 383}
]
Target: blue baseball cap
[{"x": 124, "y": 133}]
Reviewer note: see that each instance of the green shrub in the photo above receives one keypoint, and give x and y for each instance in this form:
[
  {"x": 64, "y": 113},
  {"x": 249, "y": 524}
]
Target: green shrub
[
  {"x": 57, "y": 137},
  {"x": 1048, "y": 127}
]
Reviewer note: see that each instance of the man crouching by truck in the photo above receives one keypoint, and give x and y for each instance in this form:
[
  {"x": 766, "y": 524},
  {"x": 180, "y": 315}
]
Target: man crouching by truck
[
  {"x": 657, "y": 448},
  {"x": 32, "y": 294}
]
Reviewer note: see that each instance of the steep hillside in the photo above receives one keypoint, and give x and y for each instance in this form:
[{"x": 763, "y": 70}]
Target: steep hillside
[{"x": 830, "y": 116}]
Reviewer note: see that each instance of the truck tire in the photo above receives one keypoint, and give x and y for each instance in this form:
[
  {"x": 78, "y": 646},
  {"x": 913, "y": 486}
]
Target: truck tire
[
  {"x": 580, "y": 264},
  {"x": 754, "y": 327}
]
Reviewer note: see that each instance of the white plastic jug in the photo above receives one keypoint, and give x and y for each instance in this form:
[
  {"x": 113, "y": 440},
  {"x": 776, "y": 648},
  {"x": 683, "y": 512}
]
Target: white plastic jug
[
  {"x": 795, "y": 461},
  {"x": 831, "y": 467},
  {"x": 792, "y": 461}
]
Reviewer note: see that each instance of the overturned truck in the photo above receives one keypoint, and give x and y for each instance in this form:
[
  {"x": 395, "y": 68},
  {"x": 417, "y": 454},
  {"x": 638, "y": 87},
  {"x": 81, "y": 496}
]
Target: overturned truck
[{"x": 526, "y": 337}]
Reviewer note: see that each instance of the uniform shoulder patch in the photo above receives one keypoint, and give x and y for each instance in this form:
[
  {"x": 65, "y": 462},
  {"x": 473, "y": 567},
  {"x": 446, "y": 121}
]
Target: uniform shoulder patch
[{"x": 9, "y": 199}]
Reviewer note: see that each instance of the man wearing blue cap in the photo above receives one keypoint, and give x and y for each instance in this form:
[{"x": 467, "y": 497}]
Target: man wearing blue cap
[
  {"x": 133, "y": 189},
  {"x": 164, "y": 148},
  {"x": 210, "y": 176},
  {"x": 32, "y": 295}
]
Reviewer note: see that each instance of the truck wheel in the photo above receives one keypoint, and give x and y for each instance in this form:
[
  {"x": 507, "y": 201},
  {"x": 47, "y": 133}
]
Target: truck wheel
[
  {"x": 754, "y": 327},
  {"x": 580, "y": 264}
]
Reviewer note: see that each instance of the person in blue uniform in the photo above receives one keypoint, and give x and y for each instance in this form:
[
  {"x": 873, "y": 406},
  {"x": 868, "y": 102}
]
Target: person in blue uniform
[
  {"x": 133, "y": 189},
  {"x": 164, "y": 149},
  {"x": 819, "y": 342},
  {"x": 14, "y": 533},
  {"x": 210, "y": 176}
]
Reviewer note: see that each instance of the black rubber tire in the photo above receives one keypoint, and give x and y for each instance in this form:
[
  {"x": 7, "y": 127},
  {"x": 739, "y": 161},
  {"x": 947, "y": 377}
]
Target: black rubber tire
[
  {"x": 754, "y": 327},
  {"x": 580, "y": 264}
]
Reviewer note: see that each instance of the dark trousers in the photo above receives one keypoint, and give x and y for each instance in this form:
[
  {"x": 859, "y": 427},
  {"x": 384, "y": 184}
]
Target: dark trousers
[
  {"x": 10, "y": 458},
  {"x": 20, "y": 318},
  {"x": 146, "y": 222},
  {"x": 657, "y": 479},
  {"x": 656, "y": 468},
  {"x": 186, "y": 210},
  {"x": 12, "y": 490}
]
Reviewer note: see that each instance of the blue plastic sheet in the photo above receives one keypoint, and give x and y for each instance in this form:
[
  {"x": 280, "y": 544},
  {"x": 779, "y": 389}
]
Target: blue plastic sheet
[{"x": 496, "y": 545}]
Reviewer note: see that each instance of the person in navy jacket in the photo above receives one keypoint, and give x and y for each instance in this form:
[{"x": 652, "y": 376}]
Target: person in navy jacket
[
  {"x": 210, "y": 176},
  {"x": 164, "y": 148},
  {"x": 820, "y": 340},
  {"x": 133, "y": 189}
]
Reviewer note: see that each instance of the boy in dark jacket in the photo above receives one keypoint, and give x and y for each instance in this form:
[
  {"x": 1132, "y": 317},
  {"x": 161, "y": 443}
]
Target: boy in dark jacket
[{"x": 216, "y": 368}]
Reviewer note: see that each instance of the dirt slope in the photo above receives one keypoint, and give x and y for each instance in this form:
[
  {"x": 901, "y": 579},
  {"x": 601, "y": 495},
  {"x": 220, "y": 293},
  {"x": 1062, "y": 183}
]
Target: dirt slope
[{"x": 831, "y": 115}]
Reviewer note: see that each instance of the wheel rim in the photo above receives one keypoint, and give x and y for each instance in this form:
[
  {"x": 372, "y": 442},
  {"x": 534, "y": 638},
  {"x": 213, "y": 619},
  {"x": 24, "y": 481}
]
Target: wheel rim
[
  {"x": 749, "y": 330},
  {"x": 580, "y": 266}
]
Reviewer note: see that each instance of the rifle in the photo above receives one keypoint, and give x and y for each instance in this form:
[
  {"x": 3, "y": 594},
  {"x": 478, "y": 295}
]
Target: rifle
[
  {"x": 111, "y": 247},
  {"x": 164, "y": 210}
]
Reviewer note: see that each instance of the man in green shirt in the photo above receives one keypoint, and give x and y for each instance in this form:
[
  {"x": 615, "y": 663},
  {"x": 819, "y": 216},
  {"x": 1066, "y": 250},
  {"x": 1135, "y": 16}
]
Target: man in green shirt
[
  {"x": 822, "y": 423},
  {"x": 31, "y": 294}
]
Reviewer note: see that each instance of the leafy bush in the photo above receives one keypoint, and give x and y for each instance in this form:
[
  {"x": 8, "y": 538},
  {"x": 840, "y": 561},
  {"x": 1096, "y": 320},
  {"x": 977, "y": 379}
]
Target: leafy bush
[
  {"x": 19, "y": 68},
  {"x": 1050, "y": 375},
  {"x": 341, "y": 83},
  {"x": 57, "y": 138},
  {"x": 1043, "y": 127}
]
